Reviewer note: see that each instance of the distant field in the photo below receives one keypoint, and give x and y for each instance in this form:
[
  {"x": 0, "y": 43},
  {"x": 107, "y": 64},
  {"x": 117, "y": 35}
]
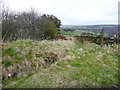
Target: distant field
[
  {"x": 76, "y": 33},
  {"x": 110, "y": 30}
]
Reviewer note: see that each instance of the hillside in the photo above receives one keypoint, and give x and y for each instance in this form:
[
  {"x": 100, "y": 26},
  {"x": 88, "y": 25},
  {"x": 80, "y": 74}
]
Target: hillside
[
  {"x": 110, "y": 30},
  {"x": 59, "y": 63}
]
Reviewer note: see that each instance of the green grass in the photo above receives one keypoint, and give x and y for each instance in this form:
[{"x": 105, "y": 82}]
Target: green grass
[
  {"x": 84, "y": 65},
  {"x": 106, "y": 26}
]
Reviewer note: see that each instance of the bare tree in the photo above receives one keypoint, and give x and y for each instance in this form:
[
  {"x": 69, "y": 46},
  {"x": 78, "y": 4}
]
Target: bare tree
[{"x": 24, "y": 25}]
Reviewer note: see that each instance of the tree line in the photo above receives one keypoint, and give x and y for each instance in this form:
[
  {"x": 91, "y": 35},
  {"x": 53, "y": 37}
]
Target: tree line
[{"x": 28, "y": 25}]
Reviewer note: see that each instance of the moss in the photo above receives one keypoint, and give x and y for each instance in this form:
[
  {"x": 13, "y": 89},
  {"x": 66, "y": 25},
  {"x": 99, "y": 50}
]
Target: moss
[
  {"x": 29, "y": 55},
  {"x": 9, "y": 52},
  {"x": 78, "y": 65},
  {"x": 7, "y": 63}
]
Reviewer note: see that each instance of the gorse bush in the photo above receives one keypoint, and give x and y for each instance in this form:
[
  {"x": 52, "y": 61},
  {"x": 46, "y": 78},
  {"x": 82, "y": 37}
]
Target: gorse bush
[{"x": 51, "y": 31}]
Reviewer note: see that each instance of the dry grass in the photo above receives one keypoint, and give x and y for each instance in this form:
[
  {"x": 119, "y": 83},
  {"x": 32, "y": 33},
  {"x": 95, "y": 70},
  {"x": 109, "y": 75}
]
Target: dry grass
[{"x": 78, "y": 64}]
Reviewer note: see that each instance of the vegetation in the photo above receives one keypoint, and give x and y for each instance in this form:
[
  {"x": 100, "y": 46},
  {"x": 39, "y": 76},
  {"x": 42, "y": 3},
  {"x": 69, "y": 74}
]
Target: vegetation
[
  {"x": 37, "y": 53},
  {"x": 77, "y": 65},
  {"x": 28, "y": 25},
  {"x": 77, "y": 33},
  {"x": 109, "y": 30}
]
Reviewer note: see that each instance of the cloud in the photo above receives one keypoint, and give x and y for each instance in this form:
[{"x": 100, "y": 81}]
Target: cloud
[{"x": 73, "y": 11}]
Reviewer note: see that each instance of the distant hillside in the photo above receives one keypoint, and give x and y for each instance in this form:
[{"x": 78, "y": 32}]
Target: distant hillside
[{"x": 110, "y": 30}]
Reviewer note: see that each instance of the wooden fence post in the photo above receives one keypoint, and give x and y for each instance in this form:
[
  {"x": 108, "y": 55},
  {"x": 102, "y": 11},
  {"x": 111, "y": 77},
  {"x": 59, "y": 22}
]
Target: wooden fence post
[{"x": 102, "y": 37}]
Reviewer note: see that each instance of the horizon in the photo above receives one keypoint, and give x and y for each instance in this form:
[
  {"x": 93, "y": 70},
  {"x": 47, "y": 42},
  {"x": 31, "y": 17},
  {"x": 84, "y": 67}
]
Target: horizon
[{"x": 91, "y": 24}]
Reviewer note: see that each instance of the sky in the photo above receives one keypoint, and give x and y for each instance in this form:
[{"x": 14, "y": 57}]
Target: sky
[{"x": 72, "y": 12}]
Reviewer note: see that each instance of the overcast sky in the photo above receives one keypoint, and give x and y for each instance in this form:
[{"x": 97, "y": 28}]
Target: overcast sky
[{"x": 72, "y": 12}]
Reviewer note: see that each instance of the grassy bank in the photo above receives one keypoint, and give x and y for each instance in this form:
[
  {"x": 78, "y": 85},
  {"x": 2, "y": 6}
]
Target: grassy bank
[{"x": 75, "y": 64}]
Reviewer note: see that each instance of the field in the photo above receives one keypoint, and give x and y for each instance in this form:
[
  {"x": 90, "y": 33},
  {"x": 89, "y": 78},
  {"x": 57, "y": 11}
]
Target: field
[
  {"x": 59, "y": 63},
  {"x": 77, "y": 33},
  {"x": 109, "y": 30}
]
